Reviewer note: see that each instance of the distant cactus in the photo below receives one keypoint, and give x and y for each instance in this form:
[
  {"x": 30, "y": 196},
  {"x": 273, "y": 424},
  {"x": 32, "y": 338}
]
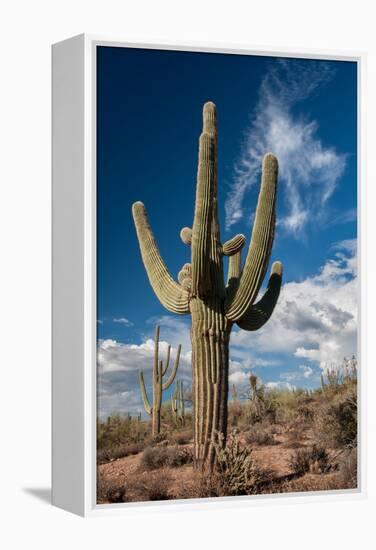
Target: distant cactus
[
  {"x": 201, "y": 290},
  {"x": 256, "y": 402},
  {"x": 177, "y": 404},
  {"x": 253, "y": 383},
  {"x": 159, "y": 371},
  {"x": 234, "y": 393}
]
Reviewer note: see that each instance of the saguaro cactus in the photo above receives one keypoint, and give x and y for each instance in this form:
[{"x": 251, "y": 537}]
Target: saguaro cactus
[
  {"x": 177, "y": 404},
  {"x": 201, "y": 290},
  {"x": 159, "y": 371}
]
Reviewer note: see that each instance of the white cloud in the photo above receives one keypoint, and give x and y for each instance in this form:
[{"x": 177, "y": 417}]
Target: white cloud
[
  {"x": 239, "y": 378},
  {"x": 118, "y": 369},
  {"x": 279, "y": 385},
  {"x": 315, "y": 319},
  {"x": 308, "y": 170},
  {"x": 123, "y": 321},
  {"x": 307, "y": 371}
]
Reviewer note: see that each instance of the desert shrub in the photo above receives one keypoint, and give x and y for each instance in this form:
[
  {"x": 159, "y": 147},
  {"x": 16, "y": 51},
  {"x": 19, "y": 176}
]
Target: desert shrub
[
  {"x": 234, "y": 412},
  {"x": 320, "y": 460},
  {"x": 179, "y": 457},
  {"x": 157, "y": 488},
  {"x": 110, "y": 491},
  {"x": 335, "y": 423},
  {"x": 154, "y": 488},
  {"x": 182, "y": 438},
  {"x": 296, "y": 436},
  {"x": 154, "y": 458},
  {"x": 310, "y": 459},
  {"x": 120, "y": 451},
  {"x": 348, "y": 468},
  {"x": 119, "y": 430},
  {"x": 236, "y": 473},
  {"x": 300, "y": 461},
  {"x": 159, "y": 438},
  {"x": 261, "y": 435}
]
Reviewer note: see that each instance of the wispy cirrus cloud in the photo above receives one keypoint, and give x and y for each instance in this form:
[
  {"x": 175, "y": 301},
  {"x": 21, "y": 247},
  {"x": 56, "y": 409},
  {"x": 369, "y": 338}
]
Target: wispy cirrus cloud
[{"x": 308, "y": 170}]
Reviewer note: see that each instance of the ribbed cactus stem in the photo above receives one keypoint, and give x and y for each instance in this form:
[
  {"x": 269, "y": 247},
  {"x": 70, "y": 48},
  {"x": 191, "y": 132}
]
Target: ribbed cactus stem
[
  {"x": 177, "y": 404},
  {"x": 159, "y": 370},
  {"x": 261, "y": 242},
  {"x": 201, "y": 289},
  {"x": 234, "y": 245}
]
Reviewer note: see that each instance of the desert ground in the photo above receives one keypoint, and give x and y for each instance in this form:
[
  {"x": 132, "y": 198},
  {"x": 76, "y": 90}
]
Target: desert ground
[{"x": 279, "y": 441}]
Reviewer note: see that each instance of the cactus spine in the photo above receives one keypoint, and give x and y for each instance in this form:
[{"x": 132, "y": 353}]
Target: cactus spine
[
  {"x": 201, "y": 291},
  {"x": 177, "y": 404},
  {"x": 159, "y": 371}
]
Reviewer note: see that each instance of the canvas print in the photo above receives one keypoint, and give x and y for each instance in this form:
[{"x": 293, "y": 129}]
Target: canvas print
[{"x": 227, "y": 292}]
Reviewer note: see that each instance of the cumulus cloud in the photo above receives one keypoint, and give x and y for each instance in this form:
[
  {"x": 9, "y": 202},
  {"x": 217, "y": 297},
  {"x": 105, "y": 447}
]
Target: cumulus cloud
[
  {"x": 315, "y": 319},
  {"x": 309, "y": 170},
  {"x": 118, "y": 367}
]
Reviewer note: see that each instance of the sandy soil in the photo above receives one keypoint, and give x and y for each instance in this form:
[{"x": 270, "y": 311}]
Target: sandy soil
[{"x": 273, "y": 458}]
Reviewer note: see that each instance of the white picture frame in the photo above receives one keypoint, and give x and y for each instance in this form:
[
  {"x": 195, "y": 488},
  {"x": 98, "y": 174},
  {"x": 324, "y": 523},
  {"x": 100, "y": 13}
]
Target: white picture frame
[{"x": 74, "y": 277}]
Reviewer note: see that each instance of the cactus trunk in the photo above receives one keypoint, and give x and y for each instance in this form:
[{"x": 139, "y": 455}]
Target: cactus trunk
[{"x": 210, "y": 362}]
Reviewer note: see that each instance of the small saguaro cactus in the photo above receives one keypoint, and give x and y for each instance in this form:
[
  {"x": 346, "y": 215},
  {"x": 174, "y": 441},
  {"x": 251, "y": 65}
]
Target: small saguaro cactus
[
  {"x": 201, "y": 291},
  {"x": 159, "y": 371},
  {"x": 253, "y": 384},
  {"x": 177, "y": 404}
]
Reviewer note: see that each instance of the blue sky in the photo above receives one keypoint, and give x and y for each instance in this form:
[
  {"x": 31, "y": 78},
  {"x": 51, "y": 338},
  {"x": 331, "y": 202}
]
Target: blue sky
[{"x": 149, "y": 106}]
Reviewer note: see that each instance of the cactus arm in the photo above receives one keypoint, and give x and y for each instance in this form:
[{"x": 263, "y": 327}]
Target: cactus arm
[
  {"x": 167, "y": 362},
  {"x": 186, "y": 235},
  {"x": 156, "y": 350},
  {"x": 259, "y": 313},
  {"x": 159, "y": 385},
  {"x": 234, "y": 270},
  {"x": 171, "y": 295},
  {"x": 205, "y": 193},
  {"x": 234, "y": 245},
  {"x": 240, "y": 299},
  {"x": 145, "y": 399},
  {"x": 171, "y": 378},
  {"x": 182, "y": 410}
]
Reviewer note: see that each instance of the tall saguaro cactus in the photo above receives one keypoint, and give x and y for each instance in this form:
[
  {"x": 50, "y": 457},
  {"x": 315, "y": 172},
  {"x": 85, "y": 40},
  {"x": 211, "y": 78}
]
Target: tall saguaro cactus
[
  {"x": 201, "y": 290},
  {"x": 159, "y": 371}
]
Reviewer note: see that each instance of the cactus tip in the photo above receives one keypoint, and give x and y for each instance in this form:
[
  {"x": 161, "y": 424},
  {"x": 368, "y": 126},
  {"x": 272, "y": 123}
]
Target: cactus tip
[
  {"x": 137, "y": 206},
  {"x": 209, "y": 117},
  {"x": 270, "y": 161},
  {"x": 277, "y": 268}
]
